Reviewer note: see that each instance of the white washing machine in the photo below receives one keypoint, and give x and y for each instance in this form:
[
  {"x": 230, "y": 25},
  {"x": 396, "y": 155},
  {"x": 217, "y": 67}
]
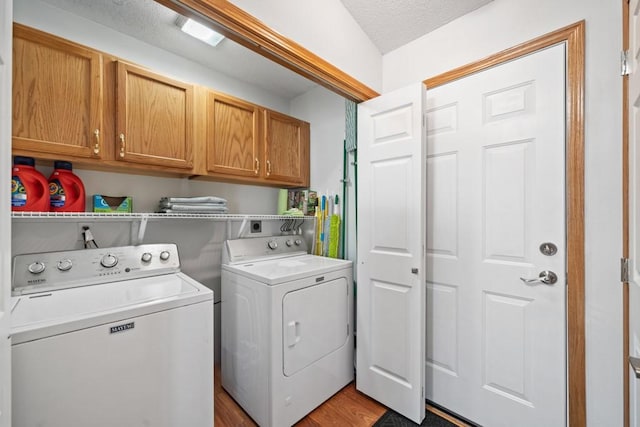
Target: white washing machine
[
  {"x": 110, "y": 337},
  {"x": 287, "y": 327}
]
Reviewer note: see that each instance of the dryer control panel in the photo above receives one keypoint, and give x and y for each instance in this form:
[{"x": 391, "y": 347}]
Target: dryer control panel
[
  {"x": 258, "y": 248},
  {"x": 67, "y": 269}
]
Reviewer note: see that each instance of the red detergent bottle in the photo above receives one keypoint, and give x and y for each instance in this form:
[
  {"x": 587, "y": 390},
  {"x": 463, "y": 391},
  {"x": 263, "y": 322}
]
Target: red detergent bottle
[
  {"x": 66, "y": 191},
  {"x": 29, "y": 188}
]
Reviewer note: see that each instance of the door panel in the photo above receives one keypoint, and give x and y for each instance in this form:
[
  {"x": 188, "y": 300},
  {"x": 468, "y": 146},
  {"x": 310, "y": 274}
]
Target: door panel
[
  {"x": 391, "y": 292},
  {"x": 154, "y": 119},
  {"x": 233, "y": 138},
  {"x": 495, "y": 148},
  {"x": 57, "y": 95}
]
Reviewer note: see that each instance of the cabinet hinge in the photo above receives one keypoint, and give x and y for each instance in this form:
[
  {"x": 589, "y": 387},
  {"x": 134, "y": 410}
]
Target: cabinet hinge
[
  {"x": 624, "y": 269},
  {"x": 625, "y": 70}
]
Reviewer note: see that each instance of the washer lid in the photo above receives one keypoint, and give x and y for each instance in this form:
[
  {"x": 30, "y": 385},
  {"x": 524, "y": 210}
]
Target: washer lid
[
  {"x": 44, "y": 314},
  {"x": 281, "y": 270}
]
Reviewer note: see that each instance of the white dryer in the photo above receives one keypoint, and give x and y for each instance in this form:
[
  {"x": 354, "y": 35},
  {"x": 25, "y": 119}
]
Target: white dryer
[{"x": 287, "y": 327}]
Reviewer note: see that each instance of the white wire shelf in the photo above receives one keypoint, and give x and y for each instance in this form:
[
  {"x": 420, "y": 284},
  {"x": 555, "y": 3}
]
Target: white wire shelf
[{"x": 148, "y": 216}]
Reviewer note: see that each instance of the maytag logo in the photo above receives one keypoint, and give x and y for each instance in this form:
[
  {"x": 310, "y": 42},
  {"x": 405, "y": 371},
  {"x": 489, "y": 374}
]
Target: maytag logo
[{"x": 122, "y": 328}]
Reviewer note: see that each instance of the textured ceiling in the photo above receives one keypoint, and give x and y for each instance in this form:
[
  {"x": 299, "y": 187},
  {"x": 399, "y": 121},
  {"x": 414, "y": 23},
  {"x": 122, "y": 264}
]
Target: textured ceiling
[
  {"x": 393, "y": 23},
  {"x": 388, "y": 23},
  {"x": 155, "y": 24}
]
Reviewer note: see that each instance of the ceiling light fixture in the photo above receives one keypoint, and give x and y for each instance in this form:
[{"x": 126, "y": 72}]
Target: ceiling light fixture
[{"x": 199, "y": 31}]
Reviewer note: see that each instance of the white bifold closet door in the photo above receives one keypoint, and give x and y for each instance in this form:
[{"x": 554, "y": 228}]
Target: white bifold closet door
[{"x": 390, "y": 267}]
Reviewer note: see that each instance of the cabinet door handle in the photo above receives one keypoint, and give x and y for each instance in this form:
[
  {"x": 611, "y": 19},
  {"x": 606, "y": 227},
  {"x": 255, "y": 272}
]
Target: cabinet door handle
[
  {"x": 257, "y": 169},
  {"x": 96, "y": 148},
  {"x": 122, "y": 145},
  {"x": 268, "y": 168}
]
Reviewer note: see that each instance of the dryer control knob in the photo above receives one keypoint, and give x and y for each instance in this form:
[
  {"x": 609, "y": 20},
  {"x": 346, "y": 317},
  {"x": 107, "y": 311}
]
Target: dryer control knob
[
  {"x": 146, "y": 257},
  {"x": 298, "y": 242},
  {"x": 289, "y": 242},
  {"x": 36, "y": 267},
  {"x": 65, "y": 264},
  {"x": 272, "y": 244},
  {"x": 109, "y": 260},
  {"x": 164, "y": 255}
]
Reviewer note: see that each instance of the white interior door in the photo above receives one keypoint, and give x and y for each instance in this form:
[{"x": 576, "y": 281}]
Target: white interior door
[
  {"x": 634, "y": 207},
  {"x": 6, "y": 18},
  {"x": 496, "y": 350},
  {"x": 390, "y": 270}
]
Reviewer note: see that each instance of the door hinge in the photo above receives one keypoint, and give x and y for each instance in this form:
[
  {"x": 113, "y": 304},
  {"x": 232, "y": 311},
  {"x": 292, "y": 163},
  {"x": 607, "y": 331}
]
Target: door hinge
[
  {"x": 625, "y": 70},
  {"x": 624, "y": 269}
]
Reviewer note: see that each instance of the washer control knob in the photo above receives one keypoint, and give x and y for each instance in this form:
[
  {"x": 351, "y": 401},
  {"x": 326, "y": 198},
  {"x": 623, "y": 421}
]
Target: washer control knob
[
  {"x": 298, "y": 242},
  {"x": 164, "y": 255},
  {"x": 109, "y": 260},
  {"x": 272, "y": 244},
  {"x": 65, "y": 264},
  {"x": 36, "y": 267},
  {"x": 146, "y": 257},
  {"x": 289, "y": 242}
]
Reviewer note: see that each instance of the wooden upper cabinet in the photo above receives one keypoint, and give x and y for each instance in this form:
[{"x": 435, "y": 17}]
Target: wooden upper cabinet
[
  {"x": 286, "y": 149},
  {"x": 154, "y": 118},
  {"x": 232, "y": 136},
  {"x": 57, "y": 95}
]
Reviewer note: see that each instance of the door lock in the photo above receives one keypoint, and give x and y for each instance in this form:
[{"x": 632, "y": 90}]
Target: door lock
[{"x": 548, "y": 249}]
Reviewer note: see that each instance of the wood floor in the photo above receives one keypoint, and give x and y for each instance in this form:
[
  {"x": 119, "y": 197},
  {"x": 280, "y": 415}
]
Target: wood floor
[{"x": 348, "y": 407}]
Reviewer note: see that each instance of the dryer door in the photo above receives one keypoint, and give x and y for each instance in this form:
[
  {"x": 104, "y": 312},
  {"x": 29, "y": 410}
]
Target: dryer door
[{"x": 315, "y": 323}]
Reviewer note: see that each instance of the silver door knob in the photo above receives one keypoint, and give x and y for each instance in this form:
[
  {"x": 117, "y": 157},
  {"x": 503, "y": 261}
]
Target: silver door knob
[{"x": 547, "y": 277}]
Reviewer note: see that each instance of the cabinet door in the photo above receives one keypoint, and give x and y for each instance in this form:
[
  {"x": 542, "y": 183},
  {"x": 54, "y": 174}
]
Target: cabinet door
[
  {"x": 286, "y": 149},
  {"x": 57, "y": 95},
  {"x": 233, "y": 142},
  {"x": 154, "y": 118}
]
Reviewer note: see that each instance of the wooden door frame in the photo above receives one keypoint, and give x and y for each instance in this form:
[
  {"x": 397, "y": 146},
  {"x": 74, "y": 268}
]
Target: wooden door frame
[
  {"x": 574, "y": 38},
  {"x": 245, "y": 29}
]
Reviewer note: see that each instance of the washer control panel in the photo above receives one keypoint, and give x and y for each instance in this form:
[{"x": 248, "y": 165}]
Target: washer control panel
[{"x": 58, "y": 270}]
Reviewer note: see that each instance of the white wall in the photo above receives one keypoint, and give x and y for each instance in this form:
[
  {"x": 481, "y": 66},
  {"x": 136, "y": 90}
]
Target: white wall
[
  {"x": 505, "y": 23},
  {"x": 327, "y": 109},
  {"x": 326, "y": 28}
]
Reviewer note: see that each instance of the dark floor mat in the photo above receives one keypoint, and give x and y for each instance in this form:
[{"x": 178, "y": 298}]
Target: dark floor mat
[{"x": 393, "y": 419}]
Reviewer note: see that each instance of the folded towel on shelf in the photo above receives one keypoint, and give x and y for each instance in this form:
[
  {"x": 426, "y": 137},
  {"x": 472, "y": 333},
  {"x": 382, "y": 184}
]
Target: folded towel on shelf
[
  {"x": 181, "y": 208},
  {"x": 173, "y": 211},
  {"x": 192, "y": 200},
  {"x": 170, "y": 205}
]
